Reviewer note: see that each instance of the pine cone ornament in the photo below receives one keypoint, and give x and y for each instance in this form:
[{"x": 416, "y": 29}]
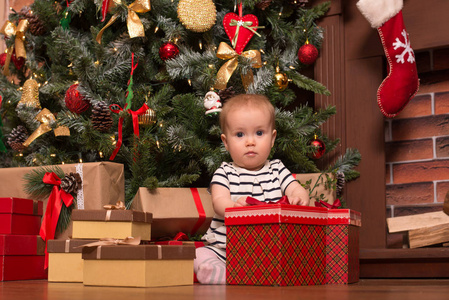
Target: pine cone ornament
[
  {"x": 71, "y": 182},
  {"x": 16, "y": 138},
  {"x": 35, "y": 25},
  {"x": 263, "y": 4},
  {"x": 101, "y": 117},
  {"x": 340, "y": 183},
  {"x": 226, "y": 94}
]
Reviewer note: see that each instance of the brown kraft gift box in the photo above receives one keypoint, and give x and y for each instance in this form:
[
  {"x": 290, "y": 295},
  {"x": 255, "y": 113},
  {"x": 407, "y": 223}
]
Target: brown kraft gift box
[
  {"x": 138, "y": 266},
  {"x": 65, "y": 263},
  {"x": 187, "y": 210},
  {"x": 117, "y": 224},
  {"x": 320, "y": 189},
  {"x": 103, "y": 183}
]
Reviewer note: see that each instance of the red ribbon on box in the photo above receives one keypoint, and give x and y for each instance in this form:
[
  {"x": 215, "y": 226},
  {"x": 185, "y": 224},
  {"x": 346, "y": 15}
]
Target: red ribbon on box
[
  {"x": 200, "y": 208},
  {"x": 254, "y": 201},
  {"x": 54, "y": 206},
  {"x": 321, "y": 203}
]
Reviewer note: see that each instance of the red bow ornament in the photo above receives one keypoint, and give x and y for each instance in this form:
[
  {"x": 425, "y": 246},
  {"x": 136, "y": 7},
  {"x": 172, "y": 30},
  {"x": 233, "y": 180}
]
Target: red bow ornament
[{"x": 118, "y": 110}]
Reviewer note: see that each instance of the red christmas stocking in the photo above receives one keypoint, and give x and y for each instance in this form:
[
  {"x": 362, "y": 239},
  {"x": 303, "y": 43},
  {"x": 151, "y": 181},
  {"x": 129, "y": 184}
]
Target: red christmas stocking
[{"x": 402, "y": 82}]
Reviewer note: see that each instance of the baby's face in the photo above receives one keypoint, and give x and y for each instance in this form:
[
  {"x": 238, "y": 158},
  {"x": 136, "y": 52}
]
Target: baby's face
[{"x": 249, "y": 137}]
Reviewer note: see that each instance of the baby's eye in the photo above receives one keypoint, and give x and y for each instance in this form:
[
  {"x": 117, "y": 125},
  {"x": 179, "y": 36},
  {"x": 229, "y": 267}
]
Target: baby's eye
[
  {"x": 239, "y": 134},
  {"x": 259, "y": 132}
]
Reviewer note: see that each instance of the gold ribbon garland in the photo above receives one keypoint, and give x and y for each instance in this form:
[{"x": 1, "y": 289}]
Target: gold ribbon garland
[
  {"x": 9, "y": 29},
  {"x": 135, "y": 26},
  {"x": 45, "y": 117},
  {"x": 226, "y": 52}
]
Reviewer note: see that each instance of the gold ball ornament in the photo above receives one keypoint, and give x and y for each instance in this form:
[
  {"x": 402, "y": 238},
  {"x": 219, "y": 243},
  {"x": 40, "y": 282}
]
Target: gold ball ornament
[
  {"x": 148, "y": 118},
  {"x": 197, "y": 15},
  {"x": 280, "y": 80}
]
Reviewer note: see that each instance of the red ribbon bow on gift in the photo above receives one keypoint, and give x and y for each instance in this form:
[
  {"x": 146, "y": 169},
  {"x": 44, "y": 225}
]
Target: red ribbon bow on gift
[
  {"x": 53, "y": 210},
  {"x": 321, "y": 203},
  {"x": 254, "y": 201}
]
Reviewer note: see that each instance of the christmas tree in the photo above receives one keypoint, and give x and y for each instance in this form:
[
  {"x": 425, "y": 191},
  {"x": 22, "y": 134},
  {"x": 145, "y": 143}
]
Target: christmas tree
[{"x": 124, "y": 80}]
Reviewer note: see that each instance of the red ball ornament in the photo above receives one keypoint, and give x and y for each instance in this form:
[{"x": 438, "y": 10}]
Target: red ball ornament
[
  {"x": 307, "y": 54},
  {"x": 17, "y": 61},
  {"x": 3, "y": 59},
  {"x": 74, "y": 101},
  {"x": 168, "y": 51},
  {"x": 319, "y": 146}
]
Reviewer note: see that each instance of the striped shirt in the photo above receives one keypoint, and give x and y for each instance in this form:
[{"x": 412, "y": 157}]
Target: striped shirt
[{"x": 267, "y": 184}]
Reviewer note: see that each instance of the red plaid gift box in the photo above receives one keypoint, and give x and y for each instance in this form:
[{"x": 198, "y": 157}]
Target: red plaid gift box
[
  {"x": 276, "y": 244},
  {"x": 342, "y": 246}
]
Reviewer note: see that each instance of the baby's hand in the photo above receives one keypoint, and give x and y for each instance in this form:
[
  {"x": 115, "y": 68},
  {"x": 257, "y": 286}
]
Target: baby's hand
[
  {"x": 241, "y": 202},
  {"x": 298, "y": 201}
]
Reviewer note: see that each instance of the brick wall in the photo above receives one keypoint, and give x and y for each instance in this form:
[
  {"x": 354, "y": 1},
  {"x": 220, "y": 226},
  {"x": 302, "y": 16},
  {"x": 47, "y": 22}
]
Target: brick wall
[{"x": 417, "y": 145}]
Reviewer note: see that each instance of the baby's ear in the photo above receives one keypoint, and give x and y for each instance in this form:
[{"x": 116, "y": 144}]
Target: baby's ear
[
  {"x": 273, "y": 137},
  {"x": 225, "y": 142}
]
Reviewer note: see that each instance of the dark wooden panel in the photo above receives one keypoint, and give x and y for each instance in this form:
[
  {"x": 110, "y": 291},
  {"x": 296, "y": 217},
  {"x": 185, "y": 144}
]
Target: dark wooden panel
[
  {"x": 329, "y": 71},
  {"x": 427, "y": 23},
  {"x": 404, "y": 263},
  {"x": 364, "y": 125}
]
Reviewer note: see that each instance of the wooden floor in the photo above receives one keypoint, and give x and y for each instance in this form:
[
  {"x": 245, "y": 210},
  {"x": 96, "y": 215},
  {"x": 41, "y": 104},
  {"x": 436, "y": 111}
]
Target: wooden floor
[{"x": 365, "y": 289}]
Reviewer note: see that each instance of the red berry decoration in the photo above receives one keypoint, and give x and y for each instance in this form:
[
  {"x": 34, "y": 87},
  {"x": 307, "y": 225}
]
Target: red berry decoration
[
  {"x": 74, "y": 101},
  {"x": 168, "y": 51},
  {"x": 320, "y": 148},
  {"x": 17, "y": 61},
  {"x": 307, "y": 54},
  {"x": 3, "y": 59}
]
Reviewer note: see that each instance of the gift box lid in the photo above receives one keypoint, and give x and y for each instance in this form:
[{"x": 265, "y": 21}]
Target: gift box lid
[
  {"x": 337, "y": 216},
  {"x": 13, "y": 205},
  {"x": 67, "y": 246},
  {"x": 112, "y": 215},
  {"x": 11, "y": 244},
  {"x": 276, "y": 213},
  {"x": 293, "y": 214},
  {"x": 140, "y": 252}
]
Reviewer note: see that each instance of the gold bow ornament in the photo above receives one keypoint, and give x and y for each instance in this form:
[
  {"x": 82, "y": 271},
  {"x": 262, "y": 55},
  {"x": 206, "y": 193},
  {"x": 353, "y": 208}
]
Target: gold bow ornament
[
  {"x": 226, "y": 52},
  {"x": 119, "y": 205},
  {"x": 45, "y": 117},
  {"x": 9, "y": 29},
  {"x": 135, "y": 26}
]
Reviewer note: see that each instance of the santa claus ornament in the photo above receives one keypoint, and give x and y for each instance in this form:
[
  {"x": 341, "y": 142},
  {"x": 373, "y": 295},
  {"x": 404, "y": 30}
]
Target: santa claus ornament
[
  {"x": 212, "y": 103},
  {"x": 402, "y": 82}
]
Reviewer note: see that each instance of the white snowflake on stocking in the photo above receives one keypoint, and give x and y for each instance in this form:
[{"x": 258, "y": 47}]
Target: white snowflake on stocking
[{"x": 407, "y": 49}]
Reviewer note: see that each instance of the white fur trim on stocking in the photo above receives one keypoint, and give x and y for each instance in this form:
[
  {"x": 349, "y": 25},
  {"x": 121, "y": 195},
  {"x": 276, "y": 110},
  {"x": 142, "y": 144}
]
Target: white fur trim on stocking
[{"x": 378, "y": 12}]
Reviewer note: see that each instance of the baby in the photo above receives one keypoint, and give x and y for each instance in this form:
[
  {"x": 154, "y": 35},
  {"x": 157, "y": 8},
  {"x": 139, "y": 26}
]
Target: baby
[{"x": 248, "y": 132}]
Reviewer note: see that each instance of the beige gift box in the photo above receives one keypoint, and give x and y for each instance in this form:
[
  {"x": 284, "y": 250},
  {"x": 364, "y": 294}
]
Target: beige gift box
[
  {"x": 116, "y": 224},
  {"x": 138, "y": 266},
  {"x": 65, "y": 263}
]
